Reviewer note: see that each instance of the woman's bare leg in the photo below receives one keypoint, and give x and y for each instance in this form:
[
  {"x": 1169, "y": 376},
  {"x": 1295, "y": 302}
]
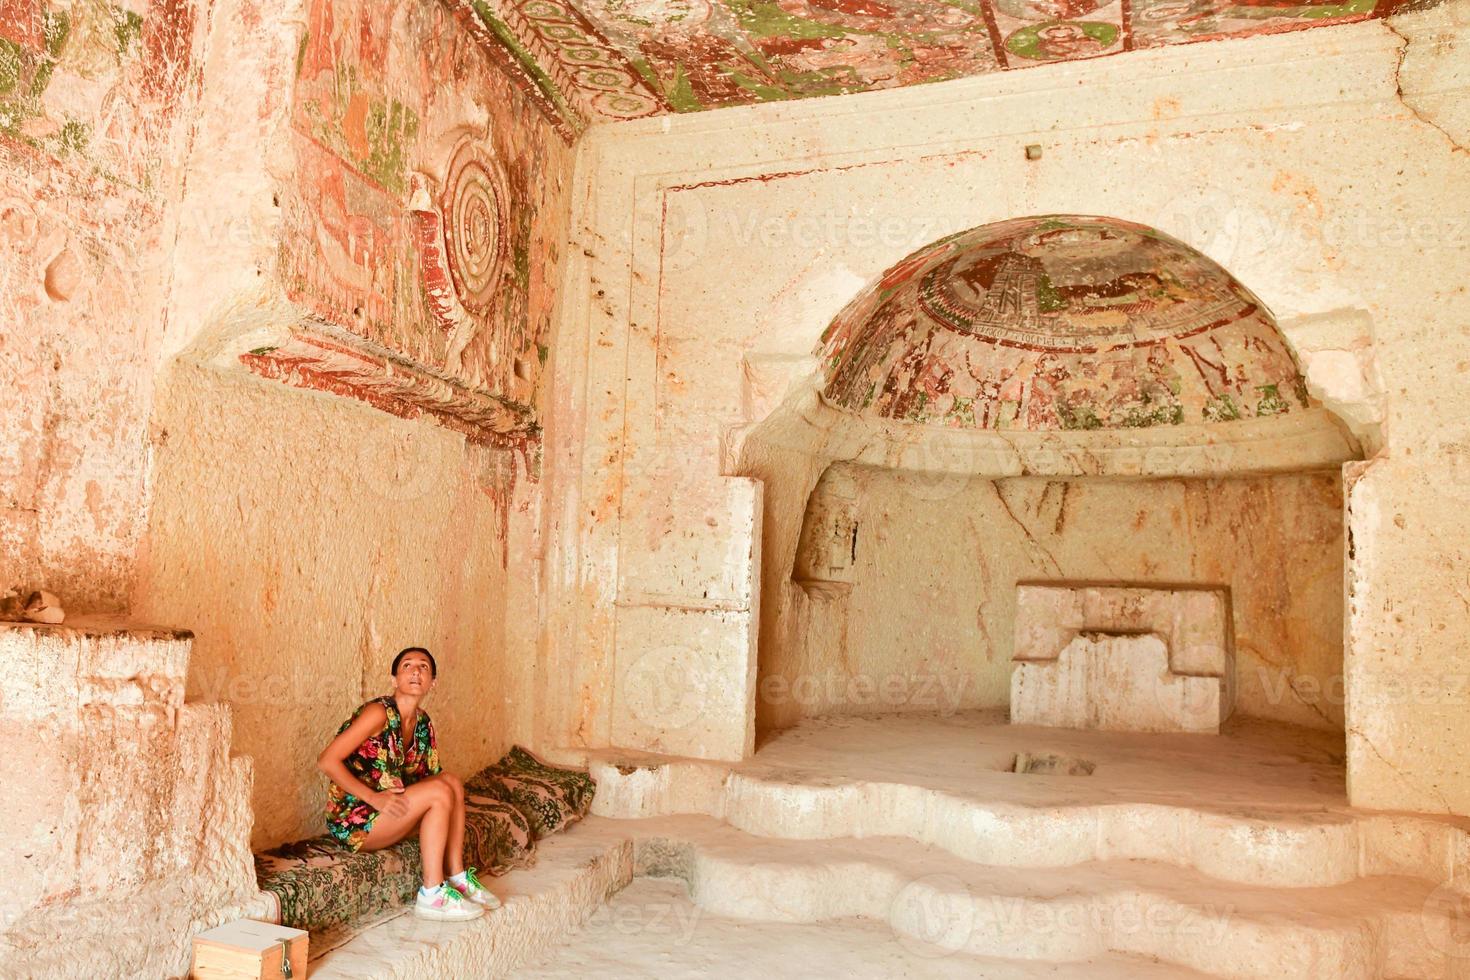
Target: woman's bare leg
[
  {"x": 429, "y": 806},
  {"x": 454, "y": 840}
]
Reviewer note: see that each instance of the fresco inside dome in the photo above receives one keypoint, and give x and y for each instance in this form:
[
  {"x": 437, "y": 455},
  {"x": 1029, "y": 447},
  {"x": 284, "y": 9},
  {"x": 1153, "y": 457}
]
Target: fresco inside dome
[{"x": 1059, "y": 322}]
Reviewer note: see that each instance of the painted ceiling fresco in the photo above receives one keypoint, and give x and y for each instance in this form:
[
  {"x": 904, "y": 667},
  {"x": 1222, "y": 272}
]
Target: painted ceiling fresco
[
  {"x": 1059, "y": 322},
  {"x": 624, "y": 59},
  {"x": 423, "y": 223}
]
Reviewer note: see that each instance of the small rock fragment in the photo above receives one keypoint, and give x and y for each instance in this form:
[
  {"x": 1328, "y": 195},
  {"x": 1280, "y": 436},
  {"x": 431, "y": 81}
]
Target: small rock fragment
[{"x": 43, "y": 607}]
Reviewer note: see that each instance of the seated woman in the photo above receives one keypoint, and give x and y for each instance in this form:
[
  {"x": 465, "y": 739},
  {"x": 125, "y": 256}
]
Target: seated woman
[{"x": 385, "y": 786}]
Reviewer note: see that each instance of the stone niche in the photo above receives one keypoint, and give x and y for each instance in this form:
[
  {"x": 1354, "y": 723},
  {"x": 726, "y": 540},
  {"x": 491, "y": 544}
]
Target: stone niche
[{"x": 1122, "y": 658}]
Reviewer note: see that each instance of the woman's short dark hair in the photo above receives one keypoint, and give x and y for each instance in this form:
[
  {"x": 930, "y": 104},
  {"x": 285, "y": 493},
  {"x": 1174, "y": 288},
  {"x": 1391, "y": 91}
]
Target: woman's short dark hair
[{"x": 433, "y": 667}]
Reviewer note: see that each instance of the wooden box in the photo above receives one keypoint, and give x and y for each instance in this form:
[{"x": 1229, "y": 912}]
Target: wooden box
[{"x": 249, "y": 950}]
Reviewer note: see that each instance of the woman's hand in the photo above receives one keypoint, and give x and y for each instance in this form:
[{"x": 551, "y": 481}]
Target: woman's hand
[{"x": 389, "y": 802}]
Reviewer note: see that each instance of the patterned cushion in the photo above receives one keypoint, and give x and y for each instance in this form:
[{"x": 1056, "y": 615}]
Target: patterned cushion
[
  {"x": 550, "y": 797},
  {"x": 497, "y": 836},
  {"x": 320, "y": 884}
]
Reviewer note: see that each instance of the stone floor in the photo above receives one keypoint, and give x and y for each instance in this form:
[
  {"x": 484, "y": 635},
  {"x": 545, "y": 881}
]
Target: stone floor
[
  {"x": 652, "y": 929},
  {"x": 913, "y": 846},
  {"x": 1251, "y": 763}
]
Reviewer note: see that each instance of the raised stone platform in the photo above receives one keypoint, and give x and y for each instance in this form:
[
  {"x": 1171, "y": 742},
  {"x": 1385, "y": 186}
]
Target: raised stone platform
[
  {"x": 1122, "y": 658},
  {"x": 575, "y": 874}
]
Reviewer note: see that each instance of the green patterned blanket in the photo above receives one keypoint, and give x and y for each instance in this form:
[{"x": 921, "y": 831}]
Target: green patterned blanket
[{"x": 508, "y": 807}]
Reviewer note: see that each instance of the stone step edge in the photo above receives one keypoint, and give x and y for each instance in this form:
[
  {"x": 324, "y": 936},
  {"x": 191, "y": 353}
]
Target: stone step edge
[
  {"x": 728, "y": 872},
  {"x": 409, "y": 948},
  {"x": 1331, "y": 847}
]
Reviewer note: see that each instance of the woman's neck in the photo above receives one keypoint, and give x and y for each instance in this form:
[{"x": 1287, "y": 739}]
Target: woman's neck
[{"x": 408, "y": 705}]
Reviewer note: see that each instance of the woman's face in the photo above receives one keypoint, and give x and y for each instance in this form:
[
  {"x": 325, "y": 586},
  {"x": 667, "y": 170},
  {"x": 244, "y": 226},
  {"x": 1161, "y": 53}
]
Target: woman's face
[{"x": 414, "y": 676}]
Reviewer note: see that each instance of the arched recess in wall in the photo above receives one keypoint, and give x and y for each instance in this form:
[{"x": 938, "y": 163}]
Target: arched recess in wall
[{"x": 1064, "y": 347}]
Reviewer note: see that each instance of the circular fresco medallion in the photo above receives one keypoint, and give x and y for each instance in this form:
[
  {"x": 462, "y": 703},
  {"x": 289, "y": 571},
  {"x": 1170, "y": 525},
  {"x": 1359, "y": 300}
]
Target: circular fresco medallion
[{"x": 474, "y": 226}]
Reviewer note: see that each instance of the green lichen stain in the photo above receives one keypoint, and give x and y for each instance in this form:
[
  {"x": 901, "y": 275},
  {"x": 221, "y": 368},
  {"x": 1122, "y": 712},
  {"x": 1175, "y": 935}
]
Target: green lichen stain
[
  {"x": 917, "y": 413},
  {"x": 680, "y": 95},
  {"x": 523, "y": 57},
  {"x": 762, "y": 91},
  {"x": 74, "y": 137},
  {"x": 963, "y": 412},
  {"x": 768, "y": 20},
  {"x": 391, "y": 128},
  {"x": 1271, "y": 402},
  {"x": 542, "y": 353},
  {"x": 25, "y": 74},
  {"x": 301, "y": 51},
  {"x": 1305, "y": 11},
  {"x": 128, "y": 28},
  {"x": 56, "y": 29},
  {"x": 262, "y": 350},
  {"x": 1078, "y": 417},
  {"x": 10, "y": 62},
  {"x": 1221, "y": 408},
  {"x": 1299, "y": 387},
  {"x": 1138, "y": 417},
  {"x": 1048, "y": 300},
  {"x": 522, "y": 261}
]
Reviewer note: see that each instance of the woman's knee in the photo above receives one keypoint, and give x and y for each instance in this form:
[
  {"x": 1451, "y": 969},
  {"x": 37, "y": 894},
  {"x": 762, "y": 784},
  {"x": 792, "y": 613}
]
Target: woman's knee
[
  {"x": 454, "y": 783},
  {"x": 434, "y": 793}
]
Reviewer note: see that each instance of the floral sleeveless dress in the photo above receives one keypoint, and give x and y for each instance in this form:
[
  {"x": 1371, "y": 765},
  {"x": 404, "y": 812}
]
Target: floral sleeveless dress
[{"x": 384, "y": 761}]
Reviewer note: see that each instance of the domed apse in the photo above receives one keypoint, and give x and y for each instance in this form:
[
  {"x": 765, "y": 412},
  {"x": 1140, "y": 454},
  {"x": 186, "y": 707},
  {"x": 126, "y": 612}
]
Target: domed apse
[
  {"x": 1059, "y": 322},
  {"x": 1074, "y": 408}
]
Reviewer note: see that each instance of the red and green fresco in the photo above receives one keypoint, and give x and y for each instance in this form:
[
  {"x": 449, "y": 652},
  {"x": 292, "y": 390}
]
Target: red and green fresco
[
  {"x": 1059, "y": 322},
  {"x": 656, "y": 56},
  {"x": 66, "y": 65}
]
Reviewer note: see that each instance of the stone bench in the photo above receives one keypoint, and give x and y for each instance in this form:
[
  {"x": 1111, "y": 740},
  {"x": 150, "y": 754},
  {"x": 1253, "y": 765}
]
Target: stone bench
[{"x": 319, "y": 885}]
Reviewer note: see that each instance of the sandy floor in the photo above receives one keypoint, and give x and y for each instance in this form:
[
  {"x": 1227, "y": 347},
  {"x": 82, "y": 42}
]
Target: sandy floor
[{"x": 652, "y": 930}]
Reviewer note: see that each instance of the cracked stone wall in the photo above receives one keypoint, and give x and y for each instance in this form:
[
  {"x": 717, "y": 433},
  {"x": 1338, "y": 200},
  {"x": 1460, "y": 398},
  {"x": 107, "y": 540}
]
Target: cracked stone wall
[
  {"x": 95, "y": 107},
  {"x": 1316, "y": 168},
  {"x": 118, "y": 772}
]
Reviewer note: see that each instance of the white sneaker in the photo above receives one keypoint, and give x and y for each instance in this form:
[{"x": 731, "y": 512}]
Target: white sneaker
[
  {"x": 471, "y": 888},
  {"x": 445, "y": 903}
]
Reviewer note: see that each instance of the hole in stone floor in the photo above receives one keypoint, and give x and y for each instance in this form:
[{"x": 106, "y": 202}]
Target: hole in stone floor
[{"x": 1050, "y": 764}]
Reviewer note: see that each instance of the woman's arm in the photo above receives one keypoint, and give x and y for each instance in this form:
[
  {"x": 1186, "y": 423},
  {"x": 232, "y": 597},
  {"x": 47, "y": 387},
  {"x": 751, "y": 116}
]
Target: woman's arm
[{"x": 333, "y": 760}]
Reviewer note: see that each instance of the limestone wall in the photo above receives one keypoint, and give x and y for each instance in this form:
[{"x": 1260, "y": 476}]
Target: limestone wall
[
  {"x": 95, "y": 105},
  {"x": 187, "y": 188},
  {"x": 929, "y": 622},
  {"x": 710, "y": 253},
  {"x": 307, "y": 536}
]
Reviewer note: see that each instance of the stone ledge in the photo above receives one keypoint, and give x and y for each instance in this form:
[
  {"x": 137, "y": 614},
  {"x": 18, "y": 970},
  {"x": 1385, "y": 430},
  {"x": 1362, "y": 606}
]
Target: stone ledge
[
  {"x": 1227, "y": 806},
  {"x": 1363, "y": 930},
  {"x": 575, "y": 874}
]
